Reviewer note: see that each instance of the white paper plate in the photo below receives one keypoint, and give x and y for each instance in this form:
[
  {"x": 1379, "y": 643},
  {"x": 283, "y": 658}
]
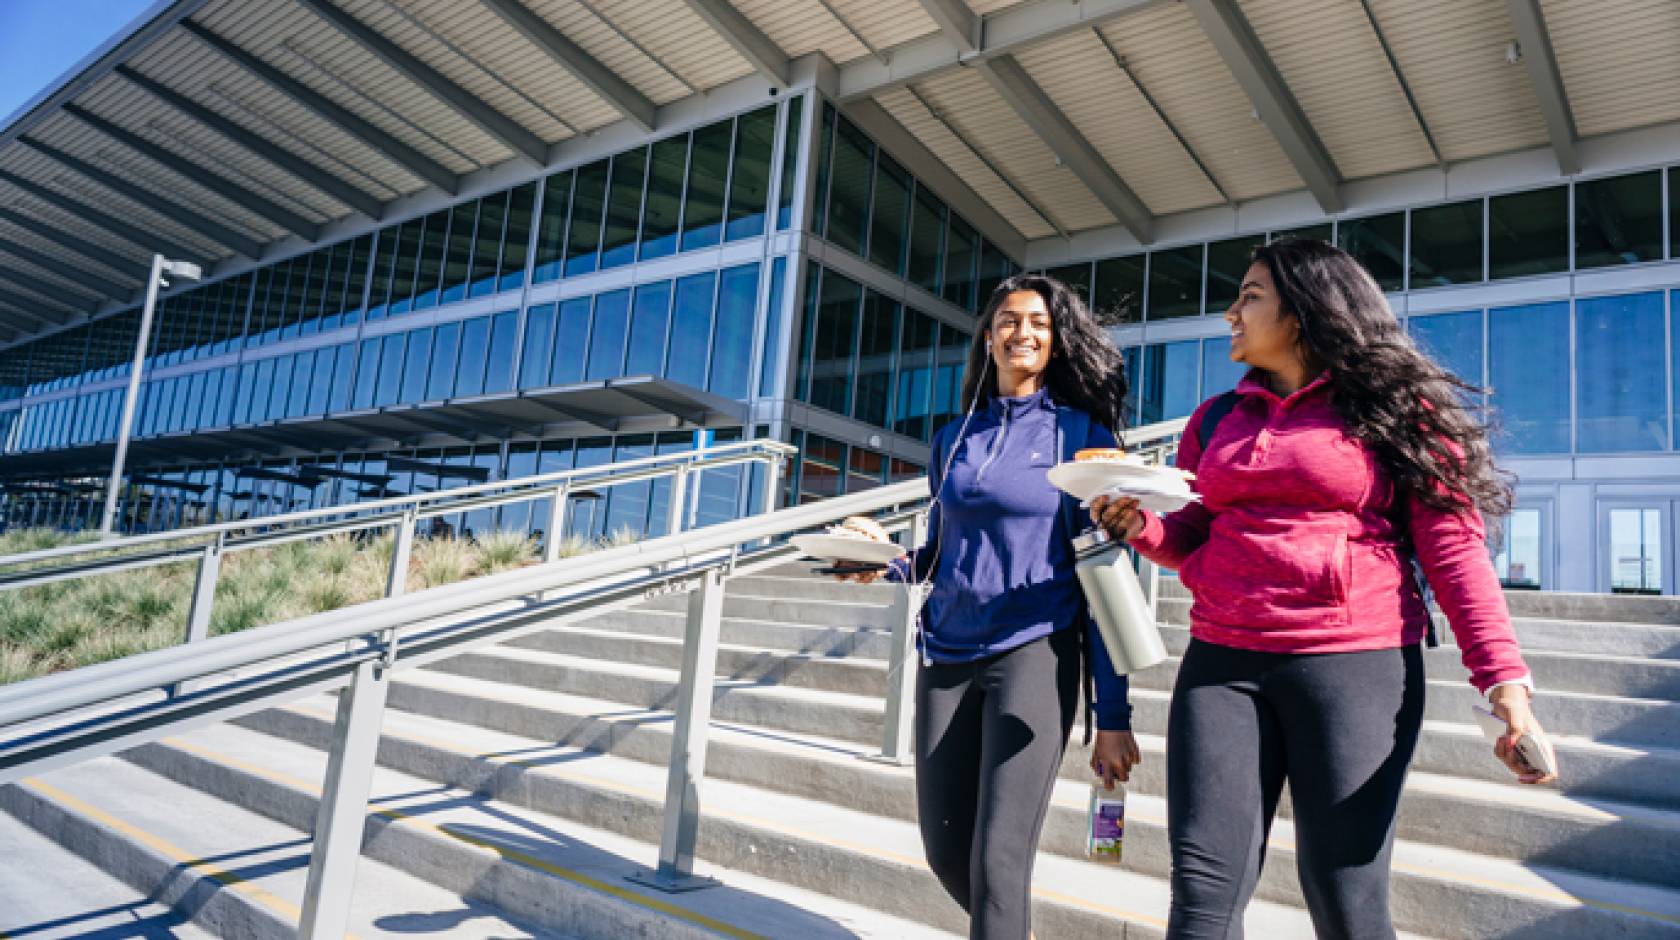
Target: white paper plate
[
  {"x": 845, "y": 548},
  {"x": 1082, "y": 480}
]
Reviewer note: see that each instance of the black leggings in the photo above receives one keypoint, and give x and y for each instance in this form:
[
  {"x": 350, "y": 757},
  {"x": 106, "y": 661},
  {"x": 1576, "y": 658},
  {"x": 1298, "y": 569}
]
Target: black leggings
[
  {"x": 1341, "y": 728},
  {"x": 989, "y": 739}
]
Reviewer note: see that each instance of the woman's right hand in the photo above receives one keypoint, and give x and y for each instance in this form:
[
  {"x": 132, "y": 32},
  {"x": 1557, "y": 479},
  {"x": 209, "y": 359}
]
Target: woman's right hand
[
  {"x": 1119, "y": 515},
  {"x": 1113, "y": 756}
]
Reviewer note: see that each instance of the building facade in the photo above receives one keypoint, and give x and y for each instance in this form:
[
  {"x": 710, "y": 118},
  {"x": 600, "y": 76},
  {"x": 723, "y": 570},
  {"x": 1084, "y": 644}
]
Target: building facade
[{"x": 793, "y": 259}]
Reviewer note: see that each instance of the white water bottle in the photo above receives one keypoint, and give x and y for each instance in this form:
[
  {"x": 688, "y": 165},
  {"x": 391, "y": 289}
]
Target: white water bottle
[{"x": 1118, "y": 606}]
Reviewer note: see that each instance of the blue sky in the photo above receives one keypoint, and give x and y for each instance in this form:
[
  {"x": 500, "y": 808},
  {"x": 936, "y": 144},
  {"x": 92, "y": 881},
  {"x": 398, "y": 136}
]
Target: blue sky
[{"x": 40, "y": 39}]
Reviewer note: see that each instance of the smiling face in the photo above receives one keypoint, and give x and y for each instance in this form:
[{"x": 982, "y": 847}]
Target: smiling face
[
  {"x": 1262, "y": 334},
  {"x": 1021, "y": 335}
]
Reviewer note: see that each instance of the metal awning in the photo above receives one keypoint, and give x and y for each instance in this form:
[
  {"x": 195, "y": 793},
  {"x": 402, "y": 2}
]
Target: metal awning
[{"x": 637, "y": 404}]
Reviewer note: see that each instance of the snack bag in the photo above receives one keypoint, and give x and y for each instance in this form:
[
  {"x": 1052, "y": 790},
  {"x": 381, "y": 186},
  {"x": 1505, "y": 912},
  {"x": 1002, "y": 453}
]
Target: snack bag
[{"x": 1106, "y": 823}]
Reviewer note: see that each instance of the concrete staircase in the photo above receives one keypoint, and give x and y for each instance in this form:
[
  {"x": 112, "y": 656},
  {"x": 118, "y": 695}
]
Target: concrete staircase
[{"x": 520, "y": 783}]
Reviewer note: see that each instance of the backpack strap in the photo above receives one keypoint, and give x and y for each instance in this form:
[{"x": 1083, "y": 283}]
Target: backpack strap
[{"x": 1215, "y": 413}]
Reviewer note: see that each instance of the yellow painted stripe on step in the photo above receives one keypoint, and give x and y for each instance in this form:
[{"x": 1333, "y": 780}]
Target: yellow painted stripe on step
[
  {"x": 174, "y": 852},
  {"x": 512, "y": 855}
]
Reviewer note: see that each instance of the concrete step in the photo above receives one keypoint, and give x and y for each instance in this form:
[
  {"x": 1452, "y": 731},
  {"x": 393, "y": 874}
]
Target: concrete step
[
  {"x": 870, "y": 642},
  {"x": 810, "y": 844},
  {"x": 1635, "y": 773},
  {"x": 235, "y": 873},
  {"x": 819, "y": 588},
  {"x": 534, "y": 802},
  {"x": 792, "y": 609},
  {"x": 1617, "y": 840},
  {"x": 1434, "y": 887},
  {"x": 556, "y": 875},
  {"x": 48, "y": 892}
]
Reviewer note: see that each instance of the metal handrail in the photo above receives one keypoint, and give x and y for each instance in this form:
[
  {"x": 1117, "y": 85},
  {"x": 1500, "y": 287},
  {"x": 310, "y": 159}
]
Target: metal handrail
[{"x": 69, "y": 717}]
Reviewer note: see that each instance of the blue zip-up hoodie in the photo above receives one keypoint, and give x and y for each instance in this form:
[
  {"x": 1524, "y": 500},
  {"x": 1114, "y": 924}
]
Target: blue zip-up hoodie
[{"x": 999, "y": 538}]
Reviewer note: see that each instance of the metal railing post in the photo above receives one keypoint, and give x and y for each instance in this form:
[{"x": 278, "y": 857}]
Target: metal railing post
[
  {"x": 901, "y": 664},
  {"x": 688, "y": 743},
  {"x": 556, "y": 522},
  {"x": 401, "y": 548},
  {"x": 679, "y": 497},
  {"x": 203, "y": 599},
  {"x": 340, "y": 819}
]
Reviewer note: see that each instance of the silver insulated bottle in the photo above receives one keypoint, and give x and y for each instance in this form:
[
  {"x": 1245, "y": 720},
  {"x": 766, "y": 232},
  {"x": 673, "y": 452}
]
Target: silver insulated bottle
[{"x": 1117, "y": 603}]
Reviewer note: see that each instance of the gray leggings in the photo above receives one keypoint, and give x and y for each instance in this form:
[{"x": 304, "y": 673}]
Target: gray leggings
[
  {"x": 989, "y": 739},
  {"x": 1341, "y": 728}
]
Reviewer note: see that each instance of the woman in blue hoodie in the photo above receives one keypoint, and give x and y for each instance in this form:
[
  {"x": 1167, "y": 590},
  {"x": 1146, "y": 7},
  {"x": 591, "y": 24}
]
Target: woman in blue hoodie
[{"x": 1004, "y": 629}]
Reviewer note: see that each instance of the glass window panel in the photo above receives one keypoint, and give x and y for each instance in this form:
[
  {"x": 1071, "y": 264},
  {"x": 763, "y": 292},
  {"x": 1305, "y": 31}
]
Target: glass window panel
[
  {"x": 627, "y": 505},
  {"x": 848, "y": 199},
  {"x": 1227, "y": 262},
  {"x": 516, "y": 239},
  {"x": 418, "y": 359},
  {"x": 731, "y": 366},
  {"x": 405, "y": 266},
  {"x": 771, "y": 368},
  {"x": 708, "y": 173},
  {"x": 1528, "y": 233},
  {"x": 825, "y": 162},
  {"x": 551, "y": 228},
  {"x": 1117, "y": 295},
  {"x": 1378, "y": 243},
  {"x": 589, "y": 200},
  {"x": 458, "y": 268},
  {"x": 389, "y": 388},
  {"x": 571, "y": 340},
  {"x": 303, "y": 373},
  {"x": 1446, "y": 245},
  {"x": 927, "y": 240},
  {"x": 379, "y": 294},
  {"x": 606, "y": 337},
  {"x": 994, "y": 267},
  {"x": 225, "y": 402},
  {"x": 446, "y": 344},
  {"x": 504, "y": 337},
  {"x": 278, "y": 372},
  {"x": 1219, "y": 373},
  {"x": 962, "y": 251},
  {"x": 1170, "y": 385},
  {"x": 1620, "y": 367},
  {"x": 1517, "y": 558},
  {"x": 320, "y": 389},
  {"x": 1319, "y": 232},
  {"x": 356, "y": 279},
  {"x": 1528, "y": 369},
  {"x": 297, "y": 286},
  {"x": 1636, "y": 546},
  {"x": 650, "y": 322},
  {"x": 1674, "y": 212},
  {"x": 537, "y": 348},
  {"x": 469, "y": 368},
  {"x": 837, "y": 315},
  {"x": 434, "y": 245},
  {"x": 1175, "y": 283},
  {"x": 691, "y": 329},
  {"x": 662, "y": 216},
  {"x": 367, "y": 374},
  {"x": 889, "y": 222},
  {"x": 749, "y": 178},
  {"x": 487, "y": 242},
  {"x": 1453, "y": 340},
  {"x": 820, "y": 469},
  {"x": 332, "y": 289},
  {"x": 947, "y": 380},
  {"x": 1076, "y": 276},
  {"x": 790, "y": 163},
  {"x": 248, "y": 392},
  {"x": 1619, "y": 220},
  {"x": 865, "y": 470},
  {"x": 344, "y": 370},
  {"x": 314, "y": 286},
  {"x": 876, "y": 345}
]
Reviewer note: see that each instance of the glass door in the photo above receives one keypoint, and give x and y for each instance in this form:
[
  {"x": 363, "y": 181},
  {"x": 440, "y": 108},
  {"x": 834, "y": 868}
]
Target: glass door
[{"x": 1636, "y": 543}]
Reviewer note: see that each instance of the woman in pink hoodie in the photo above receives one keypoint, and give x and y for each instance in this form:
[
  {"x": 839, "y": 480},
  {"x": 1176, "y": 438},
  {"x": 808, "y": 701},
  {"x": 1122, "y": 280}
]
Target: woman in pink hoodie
[{"x": 1344, "y": 454}]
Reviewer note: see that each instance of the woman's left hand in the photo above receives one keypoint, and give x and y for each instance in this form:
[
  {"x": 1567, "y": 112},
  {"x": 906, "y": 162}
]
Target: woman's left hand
[
  {"x": 1511, "y": 704},
  {"x": 1114, "y": 756}
]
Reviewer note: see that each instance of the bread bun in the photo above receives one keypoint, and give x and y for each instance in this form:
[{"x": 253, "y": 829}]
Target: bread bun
[
  {"x": 861, "y": 527},
  {"x": 1099, "y": 454}
]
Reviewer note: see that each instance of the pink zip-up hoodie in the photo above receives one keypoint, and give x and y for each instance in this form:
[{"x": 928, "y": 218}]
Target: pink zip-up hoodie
[{"x": 1298, "y": 545}]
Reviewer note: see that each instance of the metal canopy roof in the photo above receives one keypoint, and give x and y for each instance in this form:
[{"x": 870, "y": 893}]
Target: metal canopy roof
[
  {"x": 223, "y": 130},
  {"x": 628, "y": 405}
]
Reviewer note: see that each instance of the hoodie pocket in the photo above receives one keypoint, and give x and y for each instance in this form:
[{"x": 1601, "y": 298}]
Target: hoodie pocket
[{"x": 1254, "y": 571}]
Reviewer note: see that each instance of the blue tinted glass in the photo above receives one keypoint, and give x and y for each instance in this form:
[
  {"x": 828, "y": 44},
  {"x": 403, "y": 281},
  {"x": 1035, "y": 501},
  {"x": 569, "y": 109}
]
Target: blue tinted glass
[
  {"x": 1133, "y": 358},
  {"x": 915, "y": 375},
  {"x": 504, "y": 332},
  {"x": 457, "y": 267},
  {"x": 303, "y": 374},
  {"x": 487, "y": 243},
  {"x": 708, "y": 171},
  {"x": 1528, "y": 368},
  {"x": 627, "y": 506},
  {"x": 388, "y": 390},
  {"x": 749, "y": 178},
  {"x": 772, "y": 367},
  {"x": 691, "y": 329},
  {"x": 650, "y": 320},
  {"x": 1454, "y": 340},
  {"x": 263, "y": 393},
  {"x": 343, "y": 378},
  {"x": 1169, "y": 386},
  {"x": 732, "y": 338},
  {"x": 537, "y": 346},
  {"x": 606, "y": 339},
  {"x": 1621, "y": 404},
  {"x": 947, "y": 380},
  {"x": 247, "y": 393},
  {"x": 367, "y": 373},
  {"x": 834, "y": 343},
  {"x": 469, "y": 371},
  {"x": 877, "y": 339},
  {"x": 445, "y": 345},
  {"x": 662, "y": 213},
  {"x": 419, "y": 357},
  {"x": 516, "y": 239},
  {"x": 1219, "y": 373},
  {"x": 230, "y": 391},
  {"x": 320, "y": 390},
  {"x": 551, "y": 228},
  {"x": 589, "y": 199},
  {"x": 571, "y": 340},
  {"x": 624, "y": 208}
]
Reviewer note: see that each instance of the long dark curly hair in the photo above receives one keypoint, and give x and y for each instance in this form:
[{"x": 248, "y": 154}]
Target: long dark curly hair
[
  {"x": 1391, "y": 395},
  {"x": 1086, "y": 370}
]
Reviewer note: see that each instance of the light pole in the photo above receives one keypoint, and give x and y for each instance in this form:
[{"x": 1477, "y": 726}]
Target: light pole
[{"x": 160, "y": 267}]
